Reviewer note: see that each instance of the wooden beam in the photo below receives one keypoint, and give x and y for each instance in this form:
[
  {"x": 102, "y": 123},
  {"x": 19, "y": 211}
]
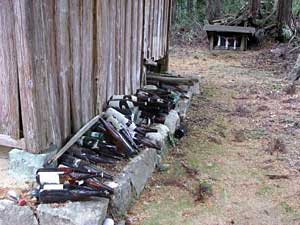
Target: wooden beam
[
  {"x": 8, "y": 141},
  {"x": 73, "y": 140}
]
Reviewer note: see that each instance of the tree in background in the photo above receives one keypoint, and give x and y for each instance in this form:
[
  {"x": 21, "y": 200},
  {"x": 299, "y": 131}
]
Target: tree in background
[
  {"x": 213, "y": 9},
  {"x": 254, "y": 6},
  {"x": 284, "y": 12}
]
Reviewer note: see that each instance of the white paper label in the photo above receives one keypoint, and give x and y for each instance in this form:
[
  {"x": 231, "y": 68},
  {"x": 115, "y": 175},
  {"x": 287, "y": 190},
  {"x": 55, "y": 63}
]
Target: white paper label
[
  {"x": 49, "y": 177},
  {"x": 53, "y": 187}
]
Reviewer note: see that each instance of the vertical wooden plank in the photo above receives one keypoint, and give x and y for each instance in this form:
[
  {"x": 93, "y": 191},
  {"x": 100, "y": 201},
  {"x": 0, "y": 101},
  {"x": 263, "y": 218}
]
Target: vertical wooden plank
[
  {"x": 151, "y": 28},
  {"x": 111, "y": 72},
  {"x": 128, "y": 47},
  {"x": 102, "y": 51},
  {"x": 51, "y": 89},
  {"x": 30, "y": 20},
  {"x": 122, "y": 47},
  {"x": 163, "y": 23},
  {"x": 166, "y": 20},
  {"x": 75, "y": 42},
  {"x": 133, "y": 48},
  {"x": 159, "y": 20},
  {"x": 63, "y": 64},
  {"x": 146, "y": 27},
  {"x": 87, "y": 81},
  {"x": 9, "y": 101},
  {"x": 140, "y": 42},
  {"x": 117, "y": 45}
]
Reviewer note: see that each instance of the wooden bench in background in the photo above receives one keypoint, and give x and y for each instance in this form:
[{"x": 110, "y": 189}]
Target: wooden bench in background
[{"x": 228, "y": 37}]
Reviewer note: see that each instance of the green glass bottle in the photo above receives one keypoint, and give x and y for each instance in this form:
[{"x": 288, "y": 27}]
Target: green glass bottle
[{"x": 96, "y": 135}]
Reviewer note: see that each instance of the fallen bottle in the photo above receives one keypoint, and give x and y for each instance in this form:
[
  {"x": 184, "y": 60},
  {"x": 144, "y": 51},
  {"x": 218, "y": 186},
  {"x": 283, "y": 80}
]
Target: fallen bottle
[{"x": 61, "y": 193}]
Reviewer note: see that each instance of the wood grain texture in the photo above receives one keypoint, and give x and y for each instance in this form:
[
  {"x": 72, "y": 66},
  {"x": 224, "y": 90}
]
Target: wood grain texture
[
  {"x": 76, "y": 56},
  {"x": 146, "y": 29},
  {"x": 102, "y": 51},
  {"x": 117, "y": 45},
  {"x": 140, "y": 35},
  {"x": 87, "y": 81},
  {"x": 9, "y": 101},
  {"x": 133, "y": 46},
  {"x": 63, "y": 64},
  {"x": 122, "y": 45},
  {"x": 51, "y": 79},
  {"x": 128, "y": 31},
  {"x": 54, "y": 51}
]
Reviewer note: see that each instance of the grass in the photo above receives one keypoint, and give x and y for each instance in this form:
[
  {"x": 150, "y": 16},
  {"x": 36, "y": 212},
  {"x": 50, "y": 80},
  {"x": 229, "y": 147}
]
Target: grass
[{"x": 241, "y": 190}]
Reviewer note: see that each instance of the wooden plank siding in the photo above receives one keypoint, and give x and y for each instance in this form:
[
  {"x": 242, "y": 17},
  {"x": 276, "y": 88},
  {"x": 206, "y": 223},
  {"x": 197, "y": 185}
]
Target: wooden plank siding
[
  {"x": 9, "y": 103},
  {"x": 60, "y": 60}
]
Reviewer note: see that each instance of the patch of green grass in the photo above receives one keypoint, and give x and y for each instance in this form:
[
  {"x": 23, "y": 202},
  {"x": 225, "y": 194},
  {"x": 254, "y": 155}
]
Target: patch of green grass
[
  {"x": 286, "y": 207},
  {"x": 264, "y": 190},
  {"x": 167, "y": 211},
  {"x": 257, "y": 133}
]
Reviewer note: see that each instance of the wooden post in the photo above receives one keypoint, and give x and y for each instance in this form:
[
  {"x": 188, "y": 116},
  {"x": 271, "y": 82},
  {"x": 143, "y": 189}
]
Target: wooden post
[
  {"x": 211, "y": 41},
  {"x": 243, "y": 43}
]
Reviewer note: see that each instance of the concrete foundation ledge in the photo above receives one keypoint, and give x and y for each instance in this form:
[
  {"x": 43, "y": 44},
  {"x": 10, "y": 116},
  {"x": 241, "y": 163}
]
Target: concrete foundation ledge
[
  {"x": 132, "y": 181},
  {"x": 73, "y": 213}
]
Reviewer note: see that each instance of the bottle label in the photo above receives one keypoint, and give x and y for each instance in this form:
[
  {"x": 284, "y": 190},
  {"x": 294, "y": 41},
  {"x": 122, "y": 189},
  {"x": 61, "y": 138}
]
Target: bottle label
[
  {"x": 53, "y": 187},
  {"x": 49, "y": 177}
]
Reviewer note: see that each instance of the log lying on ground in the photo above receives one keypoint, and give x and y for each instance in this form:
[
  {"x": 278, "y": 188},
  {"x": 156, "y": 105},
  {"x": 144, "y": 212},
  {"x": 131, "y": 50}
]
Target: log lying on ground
[{"x": 168, "y": 78}]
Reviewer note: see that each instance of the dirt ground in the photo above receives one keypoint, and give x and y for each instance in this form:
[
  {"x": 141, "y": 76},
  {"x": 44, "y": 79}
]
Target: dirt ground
[{"x": 240, "y": 162}]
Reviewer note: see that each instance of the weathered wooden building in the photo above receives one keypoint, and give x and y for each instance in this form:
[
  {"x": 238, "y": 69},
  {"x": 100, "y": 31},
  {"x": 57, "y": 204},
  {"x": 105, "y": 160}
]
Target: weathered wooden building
[{"x": 61, "y": 59}]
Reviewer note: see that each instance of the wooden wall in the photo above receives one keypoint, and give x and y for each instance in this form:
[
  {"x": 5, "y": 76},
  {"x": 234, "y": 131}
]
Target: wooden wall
[{"x": 61, "y": 59}]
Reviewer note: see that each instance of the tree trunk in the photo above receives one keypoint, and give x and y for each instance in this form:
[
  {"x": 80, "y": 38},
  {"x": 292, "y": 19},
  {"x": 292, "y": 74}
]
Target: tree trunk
[
  {"x": 190, "y": 7},
  {"x": 213, "y": 8},
  {"x": 174, "y": 11},
  {"x": 254, "y": 8},
  {"x": 284, "y": 10},
  {"x": 284, "y": 16}
]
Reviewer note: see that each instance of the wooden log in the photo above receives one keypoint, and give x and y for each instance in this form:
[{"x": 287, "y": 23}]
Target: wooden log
[
  {"x": 9, "y": 100},
  {"x": 173, "y": 80}
]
